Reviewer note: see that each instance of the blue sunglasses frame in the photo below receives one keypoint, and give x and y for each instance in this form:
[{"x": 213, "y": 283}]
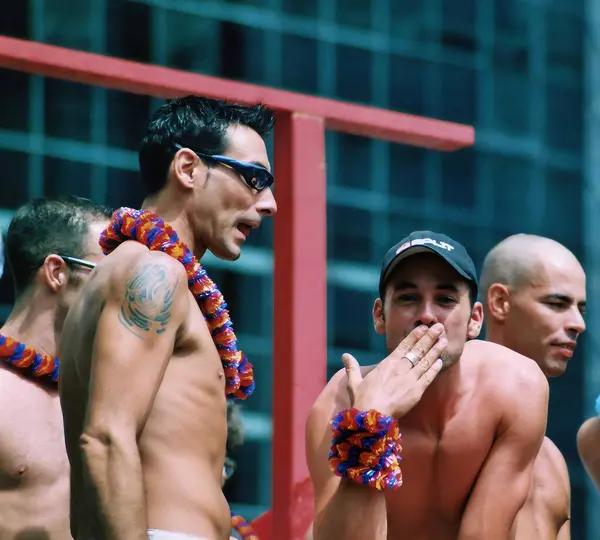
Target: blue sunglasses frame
[{"x": 255, "y": 176}]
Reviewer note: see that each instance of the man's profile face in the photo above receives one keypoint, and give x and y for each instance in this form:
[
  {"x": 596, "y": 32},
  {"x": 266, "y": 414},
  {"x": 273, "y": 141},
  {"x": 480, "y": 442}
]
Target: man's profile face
[
  {"x": 79, "y": 274},
  {"x": 546, "y": 315},
  {"x": 227, "y": 210},
  {"x": 424, "y": 289}
]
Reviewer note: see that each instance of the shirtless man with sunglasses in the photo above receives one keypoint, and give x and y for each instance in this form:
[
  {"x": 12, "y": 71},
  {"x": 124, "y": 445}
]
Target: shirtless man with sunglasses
[{"x": 51, "y": 245}]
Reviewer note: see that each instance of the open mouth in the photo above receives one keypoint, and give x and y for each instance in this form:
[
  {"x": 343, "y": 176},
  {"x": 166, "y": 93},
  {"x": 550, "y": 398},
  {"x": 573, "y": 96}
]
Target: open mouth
[{"x": 244, "y": 229}]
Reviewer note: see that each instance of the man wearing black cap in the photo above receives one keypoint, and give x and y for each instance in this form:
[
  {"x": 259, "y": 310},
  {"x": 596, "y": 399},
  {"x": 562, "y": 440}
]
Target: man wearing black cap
[{"x": 468, "y": 441}]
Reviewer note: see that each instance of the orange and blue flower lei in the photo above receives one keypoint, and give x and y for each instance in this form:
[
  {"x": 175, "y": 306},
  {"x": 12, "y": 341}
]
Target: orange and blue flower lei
[
  {"x": 365, "y": 448},
  {"x": 152, "y": 231},
  {"x": 242, "y": 527},
  {"x": 26, "y": 359}
]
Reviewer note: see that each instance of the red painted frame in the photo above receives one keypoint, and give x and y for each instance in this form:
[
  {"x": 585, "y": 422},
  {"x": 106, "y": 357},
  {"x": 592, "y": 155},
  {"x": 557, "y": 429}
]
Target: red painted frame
[{"x": 300, "y": 275}]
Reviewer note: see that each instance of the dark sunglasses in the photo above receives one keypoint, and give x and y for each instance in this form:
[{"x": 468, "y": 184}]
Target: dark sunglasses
[
  {"x": 255, "y": 176},
  {"x": 78, "y": 262}
]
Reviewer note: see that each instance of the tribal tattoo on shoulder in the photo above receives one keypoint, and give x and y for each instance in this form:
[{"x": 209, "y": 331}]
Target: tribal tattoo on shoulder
[{"x": 148, "y": 300}]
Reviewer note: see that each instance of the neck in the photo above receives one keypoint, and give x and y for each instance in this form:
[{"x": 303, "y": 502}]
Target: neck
[
  {"x": 439, "y": 399},
  {"x": 32, "y": 322},
  {"x": 174, "y": 213},
  {"x": 494, "y": 335}
]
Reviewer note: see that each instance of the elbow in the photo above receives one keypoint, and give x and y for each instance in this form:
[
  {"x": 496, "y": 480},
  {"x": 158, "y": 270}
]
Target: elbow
[{"x": 96, "y": 441}]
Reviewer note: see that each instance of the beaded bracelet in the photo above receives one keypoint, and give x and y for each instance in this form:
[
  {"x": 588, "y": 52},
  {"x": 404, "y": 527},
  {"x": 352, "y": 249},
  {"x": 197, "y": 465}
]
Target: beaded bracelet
[{"x": 365, "y": 448}]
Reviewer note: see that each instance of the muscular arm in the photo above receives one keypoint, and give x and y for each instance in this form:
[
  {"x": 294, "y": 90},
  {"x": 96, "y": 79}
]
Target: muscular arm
[
  {"x": 133, "y": 345},
  {"x": 505, "y": 478},
  {"x": 588, "y": 445},
  {"x": 343, "y": 509}
]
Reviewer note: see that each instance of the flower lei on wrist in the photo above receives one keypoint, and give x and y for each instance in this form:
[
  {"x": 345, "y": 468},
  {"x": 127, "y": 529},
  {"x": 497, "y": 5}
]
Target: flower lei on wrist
[
  {"x": 150, "y": 230},
  {"x": 365, "y": 448},
  {"x": 25, "y": 359},
  {"x": 242, "y": 527}
]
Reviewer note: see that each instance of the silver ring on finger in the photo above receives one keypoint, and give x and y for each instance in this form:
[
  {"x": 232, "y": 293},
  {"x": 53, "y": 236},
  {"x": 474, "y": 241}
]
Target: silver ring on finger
[{"x": 412, "y": 358}]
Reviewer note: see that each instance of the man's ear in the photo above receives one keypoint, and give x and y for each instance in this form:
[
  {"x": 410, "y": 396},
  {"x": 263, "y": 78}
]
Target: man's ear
[
  {"x": 379, "y": 317},
  {"x": 498, "y": 302},
  {"x": 183, "y": 164},
  {"x": 476, "y": 321},
  {"x": 54, "y": 273}
]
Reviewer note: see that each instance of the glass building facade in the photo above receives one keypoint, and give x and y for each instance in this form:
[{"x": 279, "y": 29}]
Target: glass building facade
[{"x": 516, "y": 69}]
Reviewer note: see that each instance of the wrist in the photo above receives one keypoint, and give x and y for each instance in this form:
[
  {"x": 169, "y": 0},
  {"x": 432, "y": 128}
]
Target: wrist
[{"x": 366, "y": 448}]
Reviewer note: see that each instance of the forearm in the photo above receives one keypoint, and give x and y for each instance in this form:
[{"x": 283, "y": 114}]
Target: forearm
[
  {"x": 354, "y": 513},
  {"x": 115, "y": 472}
]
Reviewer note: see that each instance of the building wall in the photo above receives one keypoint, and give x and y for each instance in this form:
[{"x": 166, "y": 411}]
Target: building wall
[{"x": 513, "y": 68}]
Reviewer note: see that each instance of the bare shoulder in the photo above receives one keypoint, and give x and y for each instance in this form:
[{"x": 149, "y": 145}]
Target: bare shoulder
[
  {"x": 588, "y": 435},
  {"x": 506, "y": 370},
  {"x": 134, "y": 262}
]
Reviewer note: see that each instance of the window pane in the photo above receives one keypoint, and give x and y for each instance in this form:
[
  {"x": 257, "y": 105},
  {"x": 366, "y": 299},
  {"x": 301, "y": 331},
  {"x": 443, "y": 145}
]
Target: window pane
[
  {"x": 511, "y": 103},
  {"x": 15, "y": 168},
  {"x": 299, "y": 75},
  {"x": 306, "y": 8},
  {"x": 564, "y": 206},
  {"x": 64, "y": 177},
  {"x": 121, "y": 41},
  {"x": 353, "y": 161},
  {"x": 136, "y": 109},
  {"x": 510, "y": 181},
  {"x": 407, "y": 84},
  {"x": 564, "y": 116},
  {"x": 353, "y": 326},
  {"x": 349, "y": 234},
  {"x": 407, "y": 171},
  {"x": 353, "y": 74},
  {"x": 14, "y": 91},
  {"x": 354, "y": 13},
  {"x": 67, "y": 108},
  {"x": 457, "y": 94},
  {"x": 124, "y": 188},
  {"x": 458, "y": 178}
]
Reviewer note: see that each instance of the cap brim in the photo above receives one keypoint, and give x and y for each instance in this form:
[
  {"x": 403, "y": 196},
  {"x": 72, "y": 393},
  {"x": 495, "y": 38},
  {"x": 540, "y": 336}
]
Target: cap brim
[{"x": 413, "y": 250}]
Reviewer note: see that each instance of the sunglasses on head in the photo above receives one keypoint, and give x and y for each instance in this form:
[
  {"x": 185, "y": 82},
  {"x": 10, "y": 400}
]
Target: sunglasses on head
[{"x": 255, "y": 176}]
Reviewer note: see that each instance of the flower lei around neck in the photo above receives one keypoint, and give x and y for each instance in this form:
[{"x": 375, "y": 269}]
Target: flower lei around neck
[
  {"x": 25, "y": 359},
  {"x": 242, "y": 527},
  {"x": 152, "y": 231}
]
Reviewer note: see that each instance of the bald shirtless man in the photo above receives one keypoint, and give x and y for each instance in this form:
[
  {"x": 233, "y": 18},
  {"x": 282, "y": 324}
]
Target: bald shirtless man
[
  {"x": 51, "y": 245},
  {"x": 143, "y": 381},
  {"x": 533, "y": 292},
  {"x": 469, "y": 435}
]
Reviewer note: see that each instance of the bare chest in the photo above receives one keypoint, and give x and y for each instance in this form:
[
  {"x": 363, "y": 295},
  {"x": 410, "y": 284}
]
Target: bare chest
[
  {"x": 32, "y": 448},
  {"x": 190, "y": 403},
  {"x": 439, "y": 470}
]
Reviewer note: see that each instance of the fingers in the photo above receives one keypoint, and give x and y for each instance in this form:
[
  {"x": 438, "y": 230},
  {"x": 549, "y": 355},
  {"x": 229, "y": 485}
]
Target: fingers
[
  {"x": 430, "y": 375},
  {"x": 426, "y": 363},
  {"x": 429, "y": 340},
  {"x": 417, "y": 348},
  {"x": 353, "y": 374},
  {"x": 408, "y": 343}
]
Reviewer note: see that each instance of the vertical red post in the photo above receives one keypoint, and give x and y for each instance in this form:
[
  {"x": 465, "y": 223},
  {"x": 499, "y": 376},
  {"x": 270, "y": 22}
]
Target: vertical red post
[{"x": 300, "y": 318}]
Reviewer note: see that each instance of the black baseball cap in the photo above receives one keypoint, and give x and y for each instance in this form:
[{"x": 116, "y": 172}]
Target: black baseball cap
[{"x": 450, "y": 250}]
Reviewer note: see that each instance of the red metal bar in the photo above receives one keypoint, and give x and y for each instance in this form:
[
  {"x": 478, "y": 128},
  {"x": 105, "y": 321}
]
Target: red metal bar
[
  {"x": 300, "y": 329},
  {"x": 94, "y": 69}
]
